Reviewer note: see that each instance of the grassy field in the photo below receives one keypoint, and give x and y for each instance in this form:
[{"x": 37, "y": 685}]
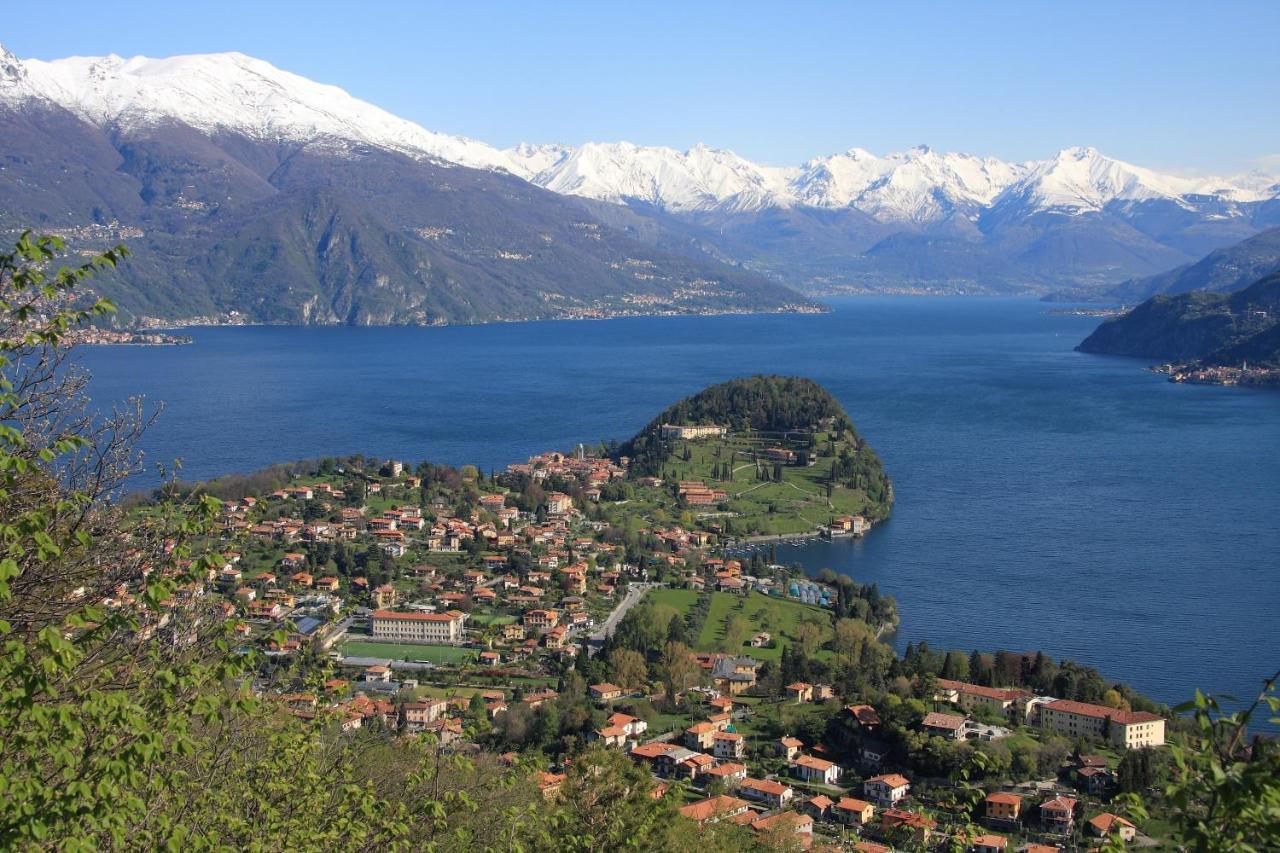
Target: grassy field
[
  {"x": 405, "y": 651},
  {"x": 777, "y": 616},
  {"x": 484, "y": 619}
]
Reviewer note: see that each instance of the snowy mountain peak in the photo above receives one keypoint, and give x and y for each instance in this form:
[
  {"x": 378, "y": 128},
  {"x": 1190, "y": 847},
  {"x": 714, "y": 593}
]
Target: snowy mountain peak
[
  {"x": 232, "y": 92},
  {"x": 12, "y": 72},
  {"x": 238, "y": 93}
]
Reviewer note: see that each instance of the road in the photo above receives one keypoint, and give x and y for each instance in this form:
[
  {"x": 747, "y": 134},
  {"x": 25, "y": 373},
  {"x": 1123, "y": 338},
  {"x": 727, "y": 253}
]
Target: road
[{"x": 634, "y": 593}]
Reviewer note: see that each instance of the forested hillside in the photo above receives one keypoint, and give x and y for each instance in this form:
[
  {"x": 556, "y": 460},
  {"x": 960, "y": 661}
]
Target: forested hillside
[{"x": 1210, "y": 327}]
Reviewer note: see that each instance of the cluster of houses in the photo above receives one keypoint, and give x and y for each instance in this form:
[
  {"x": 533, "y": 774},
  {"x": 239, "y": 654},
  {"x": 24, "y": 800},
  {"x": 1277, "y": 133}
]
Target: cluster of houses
[{"x": 712, "y": 755}]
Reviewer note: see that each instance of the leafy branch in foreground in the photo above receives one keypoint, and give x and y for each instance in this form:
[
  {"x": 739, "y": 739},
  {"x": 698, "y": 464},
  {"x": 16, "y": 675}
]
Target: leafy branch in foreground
[{"x": 1227, "y": 790}]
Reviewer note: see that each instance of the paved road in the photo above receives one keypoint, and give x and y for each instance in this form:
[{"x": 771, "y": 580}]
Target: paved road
[{"x": 634, "y": 593}]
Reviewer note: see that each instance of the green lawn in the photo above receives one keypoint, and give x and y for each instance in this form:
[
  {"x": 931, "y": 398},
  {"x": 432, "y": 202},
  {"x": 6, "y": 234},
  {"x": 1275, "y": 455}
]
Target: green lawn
[
  {"x": 797, "y": 504},
  {"x": 777, "y": 616},
  {"x": 680, "y": 599},
  {"x": 405, "y": 651},
  {"x": 484, "y": 619}
]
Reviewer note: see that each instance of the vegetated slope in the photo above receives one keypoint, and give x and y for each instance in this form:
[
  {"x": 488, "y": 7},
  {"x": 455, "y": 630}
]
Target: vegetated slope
[
  {"x": 298, "y": 232},
  {"x": 762, "y": 403},
  {"x": 1210, "y": 328},
  {"x": 1221, "y": 271},
  {"x": 774, "y": 406}
]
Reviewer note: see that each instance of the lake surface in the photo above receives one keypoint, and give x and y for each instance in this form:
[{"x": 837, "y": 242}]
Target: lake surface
[{"x": 1046, "y": 499}]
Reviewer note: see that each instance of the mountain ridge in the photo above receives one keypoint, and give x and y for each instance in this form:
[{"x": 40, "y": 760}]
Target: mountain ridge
[{"x": 913, "y": 221}]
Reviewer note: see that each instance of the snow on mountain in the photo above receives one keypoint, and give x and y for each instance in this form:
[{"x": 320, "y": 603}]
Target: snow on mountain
[
  {"x": 234, "y": 92},
  {"x": 226, "y": 92},
  {"x": 698, "y": 179},
  {"x": 1081, "y": 180},
  {"x": 919, "y": 185}
]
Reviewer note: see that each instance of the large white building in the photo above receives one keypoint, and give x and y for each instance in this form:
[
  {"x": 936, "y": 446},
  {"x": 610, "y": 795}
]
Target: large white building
[
  {"x": 1125, "y": 729},
  {"x": 438, "y": 628}
]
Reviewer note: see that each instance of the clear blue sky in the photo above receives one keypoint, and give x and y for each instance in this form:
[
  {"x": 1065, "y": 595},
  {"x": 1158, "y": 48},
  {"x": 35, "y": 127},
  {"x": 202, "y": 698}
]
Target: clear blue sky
[{"x": 1182, "y": 86}]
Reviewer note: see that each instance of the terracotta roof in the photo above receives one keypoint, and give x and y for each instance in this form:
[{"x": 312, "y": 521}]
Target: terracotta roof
[
  {"x": 783, "y": 820},
  {"x": 766, "y": 786},
  {"x": 416, "y": 617},
  {"x": 988, "y": 840},
  {"x": 1086, "y": 709},
  {"x": 728, "y": 768},
  {"x": 849, "y": 804},
  {"x": 712, "y": 807},
  {"x": 1105, "y": 823},
  {"x": 893, "y": 780},
  {"x": 1003, "y": 694},
  {"x": 814, "y": 763},
  {"x": 652, "y": 750},
  {"x": 1059, "y": 803},
  {"x": 1004, "y": 797},
  {"x": 936, "y": 720}
]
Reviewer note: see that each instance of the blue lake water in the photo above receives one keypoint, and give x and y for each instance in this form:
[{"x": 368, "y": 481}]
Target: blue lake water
[{"x": 1045, "y": 499}]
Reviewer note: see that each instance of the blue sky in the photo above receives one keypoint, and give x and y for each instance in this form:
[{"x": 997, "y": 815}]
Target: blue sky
[{"x": 1189, "y": 87}]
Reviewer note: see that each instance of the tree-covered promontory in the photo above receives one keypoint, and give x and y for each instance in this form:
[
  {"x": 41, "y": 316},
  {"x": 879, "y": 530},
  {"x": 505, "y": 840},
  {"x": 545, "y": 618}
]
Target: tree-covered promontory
[{"x": 789, "y": 451}]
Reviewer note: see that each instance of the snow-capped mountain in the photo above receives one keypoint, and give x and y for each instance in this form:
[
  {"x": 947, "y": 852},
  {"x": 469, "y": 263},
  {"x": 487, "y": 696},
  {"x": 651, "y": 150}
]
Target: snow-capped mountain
[
  {"x": 224, "y": 92},
  {"x": 852, "y": 220},
  {"x": 237, "y": 93},
  {"x": 701, "y": 178},
  {"x": 1082, "y": 180}
]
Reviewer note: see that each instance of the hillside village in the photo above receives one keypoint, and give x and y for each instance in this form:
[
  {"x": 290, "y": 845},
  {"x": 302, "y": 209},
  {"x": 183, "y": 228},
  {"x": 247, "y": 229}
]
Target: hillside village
[{"x": 470, "y": 607}]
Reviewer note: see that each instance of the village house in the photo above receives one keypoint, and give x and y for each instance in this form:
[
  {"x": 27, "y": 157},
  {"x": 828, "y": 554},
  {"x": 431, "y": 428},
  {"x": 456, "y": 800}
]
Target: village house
[
  {"x": 634, "y": 726},
  {"x": 610, "y": 736},
  {"x": 549, "y": 784},
  {"x": 784, "y": 823},
  {"x": 1002, "y": 809},
  {"x": 915, "y": 825},
  {"x": 685, "y": 763},
  {"x": 988, "y": 843},
  {"x": 731, "y": 773},
  {"x": 605, "y": 692},
  {"x": 759, "y": 641},
  {"x": 541, "y": 620},
  {"x": 384, "y": 597},
  {"x": 886, "y": 790},
  {"x": 816, "y": 770},
  {"x": 853, "y": 812},
  {"x": 1106, "y": 825},
  {"x": 556, "y": 637},
  {"x": 789, "y": 747},
  {"x": 818, "y": 807},
  {"x": 865, "y": 716},
  {"x": 734, "y": 675},
  {"x": 773, "y": 794},
  {"x": 713, "y": 809},
  {"x": 1057, "y": 815},
  {"x": 799, "y": 691},
  {"x": 700, "y": 736},
  {"x": 949, "y": 726},
  {"x": 559, "y": 503},
  {"x": 417, "y": 715},
  {"x": 728, "y": 745}
]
